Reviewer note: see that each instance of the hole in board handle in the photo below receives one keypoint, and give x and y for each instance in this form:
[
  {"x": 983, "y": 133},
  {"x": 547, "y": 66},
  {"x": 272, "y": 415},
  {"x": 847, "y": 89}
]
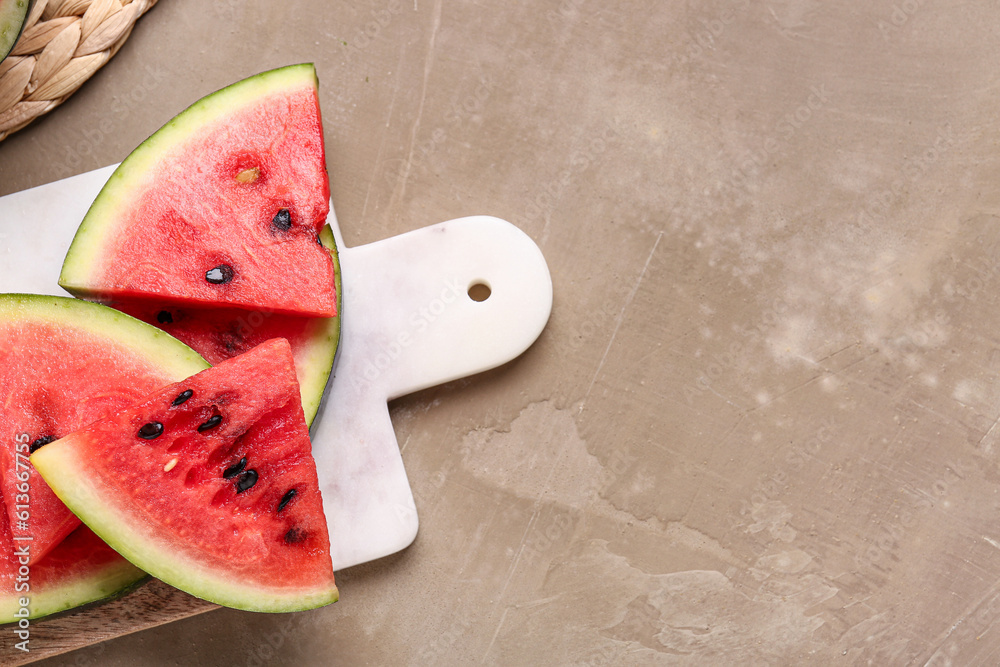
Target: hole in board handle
[{"x": 479, "y": 291}]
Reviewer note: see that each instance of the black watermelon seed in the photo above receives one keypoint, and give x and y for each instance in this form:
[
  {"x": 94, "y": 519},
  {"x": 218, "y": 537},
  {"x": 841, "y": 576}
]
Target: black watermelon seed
[
  {"x": 294, "y": 535},
  {"x": 183, "y": 396},
  {"x": 164, "y": 317},
  {"x": 151, "y": 431},
  {"x": 230, "y": 345},
  {"x": 246, "y": 481},
  {"x": 40, "y": 442},
  {"x": 220, "y": 275},
  {"x": 235, "y": 469},
  {"x": 282, "y": 220},
  {"x": 211, "y": 423},
  {"x": 285, "y": 499}
]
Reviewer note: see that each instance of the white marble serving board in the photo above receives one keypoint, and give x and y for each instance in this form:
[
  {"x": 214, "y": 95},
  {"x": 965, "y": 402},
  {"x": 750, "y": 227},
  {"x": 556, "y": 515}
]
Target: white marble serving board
[{"x": 408, "y": 324}]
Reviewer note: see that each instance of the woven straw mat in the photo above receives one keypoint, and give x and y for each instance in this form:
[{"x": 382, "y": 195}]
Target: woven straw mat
[{"x": 64, "y": 42}]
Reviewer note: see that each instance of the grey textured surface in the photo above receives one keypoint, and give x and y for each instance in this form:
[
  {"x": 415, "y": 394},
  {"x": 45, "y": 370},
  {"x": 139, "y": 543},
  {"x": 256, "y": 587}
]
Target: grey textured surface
[{"x": 761, "y": 424}]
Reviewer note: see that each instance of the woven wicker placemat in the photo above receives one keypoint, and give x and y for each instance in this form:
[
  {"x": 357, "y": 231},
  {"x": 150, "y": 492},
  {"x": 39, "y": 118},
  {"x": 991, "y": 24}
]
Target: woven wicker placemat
[{"x": 64, "y": 42}]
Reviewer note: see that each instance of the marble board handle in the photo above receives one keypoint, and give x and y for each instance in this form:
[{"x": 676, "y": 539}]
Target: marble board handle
[
  {"x": 441, "y": 333},
  {"x": 409, "y": 323}
]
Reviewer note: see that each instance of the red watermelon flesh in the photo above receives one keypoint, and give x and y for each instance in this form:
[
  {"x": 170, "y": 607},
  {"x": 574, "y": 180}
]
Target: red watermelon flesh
[
  {"x": 63, "y": 364},
  {"x": 80, "y": 569},
  {"x": 208, "y": 484},
  {"x": 221, "y": 206},
  {"x": 48, "y": 521},
  {"x": 221, "y": 333}
]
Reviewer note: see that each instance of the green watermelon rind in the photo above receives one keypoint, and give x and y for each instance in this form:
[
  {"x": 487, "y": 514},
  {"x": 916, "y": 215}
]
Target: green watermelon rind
[
  {"x": 324, "y": 343},
  {"x": 93, "y": 235},
  {"x": 13, "y": 14},
  {"x": 163, "y": 350},
  {"x": 114, "y": 581}
]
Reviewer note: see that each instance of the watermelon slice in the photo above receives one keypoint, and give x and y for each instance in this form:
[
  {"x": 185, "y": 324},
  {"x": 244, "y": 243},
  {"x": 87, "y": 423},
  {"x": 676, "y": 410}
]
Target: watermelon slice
[
  {"x": 13, "y": 14},
  {"x": 218, "y": 334},
  {"x": 208, "y": 484},
  {"x": 79, "y": 570},
  {"x": 221, "y": 206},
  {"x": 63, "y": 364}
]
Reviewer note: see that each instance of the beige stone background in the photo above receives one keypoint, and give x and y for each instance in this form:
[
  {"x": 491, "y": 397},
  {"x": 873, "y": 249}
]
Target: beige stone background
[{"x": 761, "y": 426}]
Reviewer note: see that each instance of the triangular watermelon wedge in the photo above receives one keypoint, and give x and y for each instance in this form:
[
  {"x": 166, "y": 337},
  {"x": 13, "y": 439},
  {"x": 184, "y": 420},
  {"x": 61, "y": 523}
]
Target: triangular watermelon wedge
[
  {"x": 221, "y": 206},
  {"x": 209, "y": 485},
  {"x": 63, "y": 364}
]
